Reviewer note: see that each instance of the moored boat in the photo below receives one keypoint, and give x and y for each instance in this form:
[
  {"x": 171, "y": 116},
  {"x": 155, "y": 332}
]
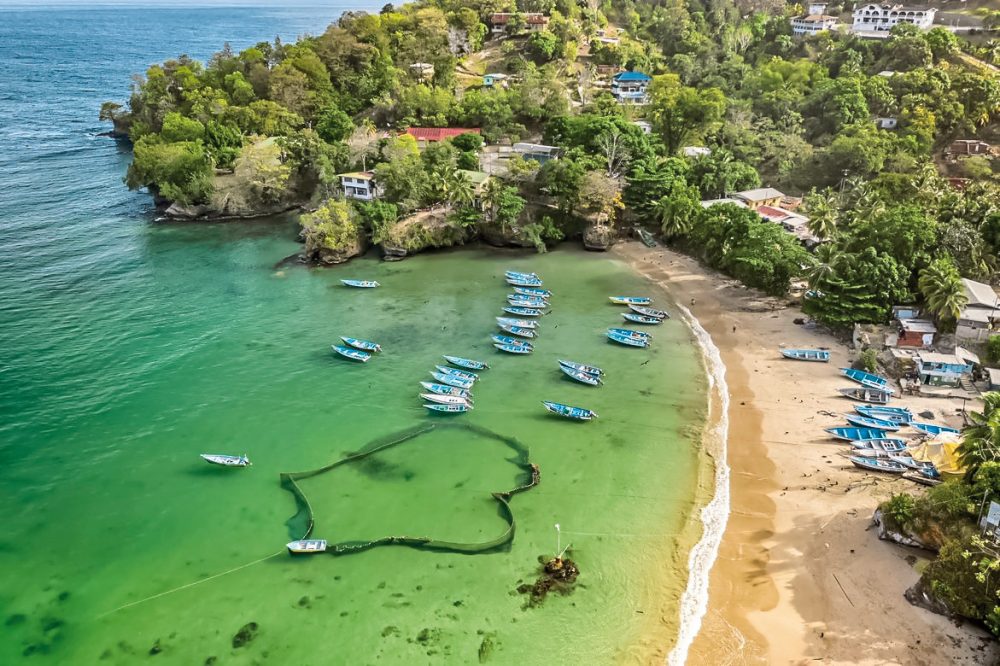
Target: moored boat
[
  {"x": 933, "y": 429},
  {"x": 589, "y": 369},
  {"x": 867, "y": 379},
  {"x": 513, "y": 349},
  {"x": 353, "y": 354},
  {"x": 895, "y": 414},
  {"x": 452, "y": 380},
  {"x": 581, "y": 376},
  {"x": 630, "y": 300},
  {"x": 507, "y": 340},
  {"x": 361, "y": 284},
  {"x": 464, "y": 374},
  {"x": 886, "y": 445},
  {"x": 521, "y": 274},
  {"x": 527, "y": 301},
  {"x": 641, "y": 319},
  {"x": 868, "y": 422},
  {"x": 363, "y": 345},
  {"x": 444, "y": 389},
  {"x": 866, "y": 394},
  {"x": 575, "y": 413},
  {"x": 524, "y": 282},
  {"x": 523, "y": 311},
  {"x": 226, "y": 460},
  {"x": 445, "y": 399},
  {"x": 518, "y": 331},
  {"x": 878, "y": 464},
  {"x": 627, "y": 340},
  {"x": 852, "y": 433},
  {"x": 806, "y": 355},
  {"x": 306, "y": 546},
  {"x": 642, "y": 335},
  {"x": 467, "y": 363},
  {"x": 448, "y": 409},
  {"x": 523, "y": 323},
  {"x": 649, "y": 312},
  {"x": 533, "y": 291}
]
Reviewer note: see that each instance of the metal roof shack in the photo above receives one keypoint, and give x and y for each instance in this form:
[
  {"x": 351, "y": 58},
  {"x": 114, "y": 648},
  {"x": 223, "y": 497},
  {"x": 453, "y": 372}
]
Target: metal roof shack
[
  {"x": 431, "y": 134},
  {"x": 916, "y": 333}
]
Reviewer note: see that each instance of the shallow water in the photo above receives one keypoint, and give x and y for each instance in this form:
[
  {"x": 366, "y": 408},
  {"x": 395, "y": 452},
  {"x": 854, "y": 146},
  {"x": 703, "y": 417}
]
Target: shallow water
[{"x": 128, "y": 347}]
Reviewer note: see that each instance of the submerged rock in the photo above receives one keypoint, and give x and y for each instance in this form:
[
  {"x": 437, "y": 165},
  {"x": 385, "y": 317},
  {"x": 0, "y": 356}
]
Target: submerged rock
[
  {"x": 558, "y": 575},
  {"x": 246, "y": 634}
]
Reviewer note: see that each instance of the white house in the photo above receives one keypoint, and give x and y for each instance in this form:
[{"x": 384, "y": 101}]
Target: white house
[
  {"x": 982, "y": 309},
  {"x": 887, "y": 123},
  {"x": 359, "y": 185},
  {"x": 881, "y": 18},
  {"x": 815, "y": 21}
]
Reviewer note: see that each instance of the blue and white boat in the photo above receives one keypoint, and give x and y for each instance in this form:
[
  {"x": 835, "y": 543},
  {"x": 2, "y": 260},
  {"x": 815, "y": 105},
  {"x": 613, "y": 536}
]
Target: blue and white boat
[
  {"x": 894, "y": 414},
  {"x": 524, "y": 282},
  {"x": 886, "y": 445},
  {"x": 642, "y": 335},
  {"x": 869, "y": 422},
  {"x": 513, "y": 349},
  {"x": 523, "y": 323},
  {"x": 581, "y": 376},
  {"x": 627, "y": 340},
  {"x": 806, "y": 355},
  {"x": 867, "y": 394},
  {"x": 932, "y": 429},
  {"x": 452, "y": 380},
  {"x": 467, "y": 363},
  {"x": 533, "y": 291},
  {"x": 444, "y": 389},
  {"x": 523, "y": 311},
  {"x": 851, "y": 434},
  {"x": 445, "y": 399},
  {"x": 447, "y": 409},
  {"x": 521, "y": 274},
  {"x": 507, "y": 340},
  {"x": 353, "y": 354},
  {"x": 630, "y": 300},
  {"x": 306, "y": 546},
  {"x": 226, "y": 460},
  {"x": 363, "y": 345},
  {"x": 531, "y": 301},
  {"x": 518, "y": 331},
  {"x": 575, "y": 413},
  {"x": 361, "y": 284},
  {"x": 878, "y": 464},
  {"x": 649, "y": 312},
  {"x": 641, "y": 319},
  {"x": 464, "y": 374},
  {"x": 589, "y": 369},
  {"x": 867, "y": 379}
]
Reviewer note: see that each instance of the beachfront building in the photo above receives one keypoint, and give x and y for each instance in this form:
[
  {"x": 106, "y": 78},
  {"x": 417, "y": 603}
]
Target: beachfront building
[
  {"x": 537, "y": 151},
  {"x": 428, "y": 135},
  {"x": 533, "y": 22},
  {"x": 762, "y": 196},
  {"x": 880, "y": 18},
  {"x": 478, "y": 180},
  {"x": 815, "y": 21},
  {"x": 982, "y": 309},
  {"x": 917, "y": 333},
  {"x": 794, "y": 223},
  {"x": 359, "y": 185},
  {"x": 630, "y": 87},
  {"x": 935, "y": 369}
]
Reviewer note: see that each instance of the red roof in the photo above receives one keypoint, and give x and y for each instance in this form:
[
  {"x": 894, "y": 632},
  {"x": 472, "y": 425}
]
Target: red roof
[
  {"x": 772, "y": 213},
  {"x": 439, "y": 133}
]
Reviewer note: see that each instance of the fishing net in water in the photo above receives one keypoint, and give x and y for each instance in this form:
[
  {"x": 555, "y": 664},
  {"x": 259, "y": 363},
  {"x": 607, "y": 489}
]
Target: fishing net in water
[{"x": 302, "y": 523}]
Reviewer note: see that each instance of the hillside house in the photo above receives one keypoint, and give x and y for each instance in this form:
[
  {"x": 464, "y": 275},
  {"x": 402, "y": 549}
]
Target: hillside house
[
  {"x": 916, "y": 333},
  {"x": 490, "y": 80},
  {"x": 936, "y": 369},
  {"x": 794, "y": 223},
  {"x": 630, "y": 87},
  {"x": 763, "y": 196},
  {"x": 882, "y": 17},
  {"x": 423, "y": 71},
  {"x": 428, "y": 135},
  {"x": 478, "y": 180},
  {"x": 359, "y": 185},
  {"x": 969, "y": 147},
  {"x": 533, "y": 22},
  {"x": 708, "y": 203},
  {"x": 815, "y": 21},
  {"x": 982, "y": 309},
  {"x": 537, "y": 151},
  {"x": 888, "y": 123}
]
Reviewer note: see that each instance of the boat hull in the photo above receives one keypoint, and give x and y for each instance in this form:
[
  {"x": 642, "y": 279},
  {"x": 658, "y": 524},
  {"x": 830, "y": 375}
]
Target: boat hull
[
  {"x": 352, "y": 354},
  {"x": 580, "y": 376},
  {"x": 815, "y": 355},
  {"x": 568, "y": 412}
]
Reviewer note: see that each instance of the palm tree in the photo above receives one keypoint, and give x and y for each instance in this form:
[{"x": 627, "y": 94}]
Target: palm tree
[
  {"x": 460, "y": 190},
  {"x": 942, "y": 289},
  {"x": 824, "y": 213},
  {"x": 675, "y": 216},
  {"x": 828, "y": 259},
  {"x": 981, "y": 440}
]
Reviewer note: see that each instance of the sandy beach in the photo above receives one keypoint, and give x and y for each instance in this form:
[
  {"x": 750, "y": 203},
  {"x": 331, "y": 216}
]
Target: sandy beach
[{"x": 800, "y": 578}]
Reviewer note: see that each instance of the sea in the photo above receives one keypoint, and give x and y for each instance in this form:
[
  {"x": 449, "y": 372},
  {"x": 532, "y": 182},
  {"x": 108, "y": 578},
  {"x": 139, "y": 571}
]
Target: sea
[{"x": 129, "y": 346}]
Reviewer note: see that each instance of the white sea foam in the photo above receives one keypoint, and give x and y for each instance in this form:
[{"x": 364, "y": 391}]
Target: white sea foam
[{"x": 714, "y": 515}]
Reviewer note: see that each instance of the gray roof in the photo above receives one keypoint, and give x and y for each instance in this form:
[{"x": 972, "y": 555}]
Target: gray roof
[
  {"x": 760, "y": 194},
  {"x": 713, "y": 202},
  {"x": 918, "y": 325},
  {"x": 980, "y": 295}
]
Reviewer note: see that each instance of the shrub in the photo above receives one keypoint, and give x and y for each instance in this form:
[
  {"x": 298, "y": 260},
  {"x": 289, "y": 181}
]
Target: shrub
[
  {"x": 869, "y": 360},
  {"x": 900, "y": 510},
  {"x": 993, "y": 348}
]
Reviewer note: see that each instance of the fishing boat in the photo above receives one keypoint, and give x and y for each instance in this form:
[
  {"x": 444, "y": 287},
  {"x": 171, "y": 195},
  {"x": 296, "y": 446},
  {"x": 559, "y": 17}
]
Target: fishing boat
[
  {"x": 649, "y": 312},
  {"x": 524, "y": 282},
  {"x": 353, "y": 354},
  {"x": 361, "y": 284},
  {"x": 630, "y": 300},
  {"x": 523, "y": 311},
  {"x": 513, "y": 349},
  {"x": 907, "y": 461},
  {"x": 866, "y": 379},
  {"x": 444, "y": 389},
  {"x": 878, "y": 464},
  {"x": 448, "y": 409},
  {"x": 576, "y": 413},
  {"x": 806, "y": 355},
  {"x": 306, "y": 546},
  {"x": 581, "y": 376},
  {"x": 467, "y": 363},
  {"x": 868, "y": 422},
  {"x": 886, "y": 445},
  {"x": 533, "y": 291},
  {"x": 851, "y": 433},
  {"x": 445, "y": 399},
  {"x": 932, "y": 429},
  {"x": 363, "y": 345},
  {"x": 865, "y": 394},
  {"x": 642, "y": 335},
  {"x": 507, "y": 340},
  {"x": 895, "y": 414},
  {"x": 531, "y": 301},
  {"x": 641, "y": 319},
  {"x": 523, "y": 323},
  {"x": 520, "y": 274},
  {"x": 646, "y": 237},
  {"x": 589, "y": 369},
  {"x": 925, "y": 476},
  {"x": 518, "y": 331},
  {"x": 452, "y": 380},
  {"x": 467, "y": 376},
  {"x": 226, "y": 461},
  {"x": 627, "y": 340}
]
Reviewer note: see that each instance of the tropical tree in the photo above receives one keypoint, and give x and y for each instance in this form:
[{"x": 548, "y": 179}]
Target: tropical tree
[
  {"x": 678, "y": 209},
  {"x": 981, "y": 440},
  {"x": 823, "y": 213},
  {"x": 942, "y": 289}
]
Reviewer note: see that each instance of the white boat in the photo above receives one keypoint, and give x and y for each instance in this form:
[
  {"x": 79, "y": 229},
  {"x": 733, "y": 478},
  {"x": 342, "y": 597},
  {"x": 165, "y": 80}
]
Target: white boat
[
  {"x": 226, "y": 461},
  {"x": 306, "y": 546},
  {"x": 445, "y": 399}
]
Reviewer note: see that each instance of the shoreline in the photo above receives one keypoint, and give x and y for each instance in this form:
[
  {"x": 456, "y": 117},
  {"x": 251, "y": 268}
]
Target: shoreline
[{"x": 796, "y": 560}]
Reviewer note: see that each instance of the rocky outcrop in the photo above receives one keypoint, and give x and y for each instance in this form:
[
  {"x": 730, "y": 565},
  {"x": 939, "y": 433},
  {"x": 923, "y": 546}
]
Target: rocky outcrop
[
  {"x": 921, "y": 596},
  {"x": 599, "y": 237},
  {"x": 887, "y": 533},
  {"x": 421, "y": 231},
  {"x": 329, "y": 256},
  {"x": 508, "y": 236}
]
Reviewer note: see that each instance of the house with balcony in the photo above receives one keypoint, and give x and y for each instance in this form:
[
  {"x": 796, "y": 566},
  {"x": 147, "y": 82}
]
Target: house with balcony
[
  {"x": 880, "y": 18},
  {"x": 630, "y": 87},
  {"x": 359, "y": 185},
  {"x": 814, "y": 22},
  {"x": 935, "y": 369}
]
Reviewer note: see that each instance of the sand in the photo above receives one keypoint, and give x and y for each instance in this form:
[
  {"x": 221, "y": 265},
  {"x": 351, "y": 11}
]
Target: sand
[{"x": 801, "y": 578}]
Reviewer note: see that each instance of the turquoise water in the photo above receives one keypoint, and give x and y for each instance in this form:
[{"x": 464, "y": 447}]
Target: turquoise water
[{"x": 128, "y": 347}]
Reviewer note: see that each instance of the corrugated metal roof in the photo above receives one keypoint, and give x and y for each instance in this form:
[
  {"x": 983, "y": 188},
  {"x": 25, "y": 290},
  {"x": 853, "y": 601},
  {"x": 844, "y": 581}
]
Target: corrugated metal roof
[
  {"x": 439, "y": 133},
  {"x": 980, "y": 294}
]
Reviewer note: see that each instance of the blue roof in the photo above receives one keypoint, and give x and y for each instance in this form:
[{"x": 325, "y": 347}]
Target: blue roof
[{"x": 632, "y": 76}]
